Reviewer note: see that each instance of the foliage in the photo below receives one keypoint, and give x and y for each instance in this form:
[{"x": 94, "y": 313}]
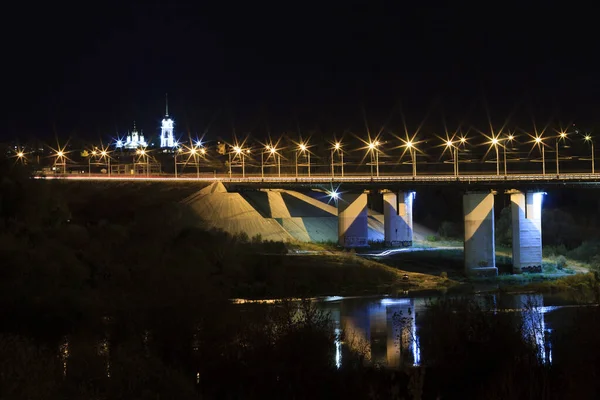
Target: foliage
[{"x": 450, "y": 230}]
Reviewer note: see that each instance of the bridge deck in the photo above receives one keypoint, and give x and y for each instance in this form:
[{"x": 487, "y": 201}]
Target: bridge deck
[{"x": 572, "y": 179}]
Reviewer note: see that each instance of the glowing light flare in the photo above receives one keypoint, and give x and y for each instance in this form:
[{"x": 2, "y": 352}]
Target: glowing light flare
[
  {"x": 511, "y": 137},
  {"x": 302, "y": 147},
  {"x": 587, "y": 138},
  {"x": 20, "y": 154},
  {"x": 494, "y": 141},
  {"x": 337, "y": 145}
]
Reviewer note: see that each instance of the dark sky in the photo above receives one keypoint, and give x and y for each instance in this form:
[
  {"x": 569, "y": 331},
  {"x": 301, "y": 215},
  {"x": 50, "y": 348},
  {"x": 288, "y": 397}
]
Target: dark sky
[{"x": 85, "y": 69}]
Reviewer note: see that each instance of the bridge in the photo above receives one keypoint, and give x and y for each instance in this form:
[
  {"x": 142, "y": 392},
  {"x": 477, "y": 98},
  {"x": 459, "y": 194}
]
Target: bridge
[{"x": 349, "y": 194}]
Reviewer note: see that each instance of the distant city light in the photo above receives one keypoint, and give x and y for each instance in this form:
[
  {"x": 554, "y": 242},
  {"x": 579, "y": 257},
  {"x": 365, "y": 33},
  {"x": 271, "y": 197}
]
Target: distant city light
[
  {"x": 302, "y": 146},
  {"x": 337, "y": 145},
  {"x": 510, "y": 137},
  {"x": 20, "y": 154},
  {"x": 494, "y": 141},
  {"x": 449, "y": 143},
  {"x": 538, "y": 140}
]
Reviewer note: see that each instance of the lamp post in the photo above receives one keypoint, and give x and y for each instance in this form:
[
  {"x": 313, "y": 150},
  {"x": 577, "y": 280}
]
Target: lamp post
[
  {"x": 194, "y": 154},
  {"x": 239, "y": 152},
  {"x": 271, "y": 152},
  {"x": 588, "y": 138},
  {"x": 60, "y": 160},
  {"x": 302, "y": 148},
  {"x": 374, "y": 150},
  {"x": 104, "y": 154},
  {"x": 510, "y": 138},
  {"x": 411, "y": 148},
  {"x": 495, "y": 143},
  {"x": 453, "y": 151},
  {"x": 337, "y": 147},
  {"x": 178, "y": 151},
  {"x": 93, "y": 154},
  {"x": 561, "y": 136},
  {"x": 540, "y": 143},
  {"x": 463, "y": 142}
]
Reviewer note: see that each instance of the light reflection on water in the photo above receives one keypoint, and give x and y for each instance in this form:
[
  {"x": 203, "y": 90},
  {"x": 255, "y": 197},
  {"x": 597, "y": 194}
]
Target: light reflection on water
[{"x": 386, "y": 330}]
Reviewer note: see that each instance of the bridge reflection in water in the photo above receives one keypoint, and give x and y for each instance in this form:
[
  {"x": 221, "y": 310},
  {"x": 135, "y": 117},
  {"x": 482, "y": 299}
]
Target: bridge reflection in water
[{"x": 386, "y": 331}]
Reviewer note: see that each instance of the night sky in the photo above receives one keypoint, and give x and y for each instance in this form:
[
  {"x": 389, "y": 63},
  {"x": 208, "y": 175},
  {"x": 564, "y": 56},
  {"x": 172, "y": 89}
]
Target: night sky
[{"x": 88, "y": 69}]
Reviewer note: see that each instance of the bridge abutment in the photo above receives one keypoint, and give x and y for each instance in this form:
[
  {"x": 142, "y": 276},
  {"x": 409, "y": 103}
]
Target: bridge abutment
[
  {"x": 353, "y": 226},
  {"x": 479, "y": 246},
  {"x": 526, "y": 231}
]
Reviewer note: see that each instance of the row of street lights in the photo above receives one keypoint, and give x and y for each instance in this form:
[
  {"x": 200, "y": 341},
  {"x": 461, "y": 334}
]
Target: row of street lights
[{"x": 197, "y": 151}]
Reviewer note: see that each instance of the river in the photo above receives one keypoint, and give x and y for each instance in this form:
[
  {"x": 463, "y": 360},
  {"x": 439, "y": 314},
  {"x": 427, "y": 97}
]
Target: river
[{"x": 386, "y": 329}]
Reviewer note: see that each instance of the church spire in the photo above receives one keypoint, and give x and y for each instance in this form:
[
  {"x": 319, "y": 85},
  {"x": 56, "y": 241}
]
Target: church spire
[{"x": 166, "y": 105}]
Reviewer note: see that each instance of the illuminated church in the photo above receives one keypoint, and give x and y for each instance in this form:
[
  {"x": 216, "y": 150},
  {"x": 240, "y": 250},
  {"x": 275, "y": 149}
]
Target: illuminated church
[
  {"x": 167, "y": 139},
  {"x": 133, "y": 141}
]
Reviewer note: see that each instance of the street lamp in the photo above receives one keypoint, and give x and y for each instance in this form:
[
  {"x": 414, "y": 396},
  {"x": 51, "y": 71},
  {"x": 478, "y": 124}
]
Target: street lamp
[
  {"x": 178, "y": 151},
  {"x": 539, "y": 142},
  {"x": 93, "y": 154},
  {"x": 412, "y": 149},
  {"x": 561, "y": 136},
  {"x": 142, "y": 154},
  {"x": 588, "y": 138},
  {"x": 510, "y": 138},
  {"x": 194, "y": 154},
  {"x": 302, "y": 148},
  {"x": 104, "y": 155},
  {"x": 454, "y": 152},
  {"x": 21, "y": 156},
  {"x": 337, "y": 147},
  {"x": 374, "y": 150},
  {"x": 495, "y": 143},
  {"x": 61, "y": 160},
  {"x": 271, "y": 151},
  {"x": 241, "y": 153}
]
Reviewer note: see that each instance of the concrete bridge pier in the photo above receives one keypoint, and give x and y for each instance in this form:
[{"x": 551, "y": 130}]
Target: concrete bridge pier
[
  {"x": 353, "y": 225},
  {"x": 397, "y": 218},
  {"x": 526, "y": 231},
  {"x": 479, "y": 246}
]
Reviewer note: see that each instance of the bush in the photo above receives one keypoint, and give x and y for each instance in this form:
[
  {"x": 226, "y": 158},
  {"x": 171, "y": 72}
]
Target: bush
[
  {"x": 431, "y": 238},
  {"x": 444, "y": 275},
  {"x": 449, "y": 230},
  {"x": 586, "y": 251},
  {"x": 561, "y": 262},
  {"x": 550, "y": 251}
]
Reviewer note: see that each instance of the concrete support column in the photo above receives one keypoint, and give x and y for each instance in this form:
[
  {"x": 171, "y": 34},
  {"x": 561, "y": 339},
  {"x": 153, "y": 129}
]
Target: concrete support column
[
  {"x": 397, "y": 218},
  {"x": 480, "y": 249},
  {"x": 390, "y": 218},
  {"x": 405, "y": 212},
  {"x": 526, "y": 231},
  {"x": 353, "y": 226}
]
